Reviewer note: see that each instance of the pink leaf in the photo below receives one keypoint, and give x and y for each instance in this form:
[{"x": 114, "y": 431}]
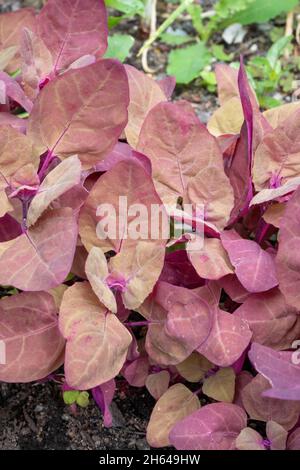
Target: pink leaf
[
  {"x": 242, "y": 379},
  {"x": 34, "y": 346},
  {"x": 11, "y": 25},
  {"x": 293, "y": 442},
  {"x": 73, "y": 127},
  {"x": 61, "y": 179},
  {"x": 157, "y": 384},
  {"x": 227, "y": 80},
  {"x": 162, "y": 348},
  {"x": 179, "y": 271},
  {"x": 212, "y": 261},
  {"x": 145, "y": 93},
  {"x": 183, "y": 156},
  {"x": 234, "y": 288},
  {"x": 9, "y": 228},
  {"x": 272, "y": 322},
  {"x": 137, "y": 267},
  {"x": 41, "y": 258},
  {"x": 269, "y": 194},
  {"x": 254, "y": 267},
  {"x": 37, "y": 63},
  {"x": 278, "y": 154},
  {"x": 249, "y": 439},
  {"x": 262, "y": 408},
  {"x": 126, "y": 181},
  {"x": 97, "y": 272},
  {"x": 277, "y": 435},
  {"x": 122, "y": 152},
  {"x": 83, "y": 61},
  {"x": 15, "y": 92},
  {"x": 213, "y": 427},
  {"x": 103, "y": 396},
  {"x": 281, "y": 370},
  {"x": 97, "y": 342},
  {"x": 288, "y": 260},
  {"x": 239, "y": 177},
  {"x": 73, "y": 28},
  {"x": 176, "y": 403},
  {"x": 190, "y": 322},
  {"x": 136, "y": 372},
  {"x": 167, "y": 84},
  {"x": 228, "y": 339},
  {"x": 17, "y": 123}
]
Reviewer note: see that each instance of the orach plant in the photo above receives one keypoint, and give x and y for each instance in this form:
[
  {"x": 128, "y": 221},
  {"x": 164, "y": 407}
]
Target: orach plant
[{"x": 211, "y": 333}]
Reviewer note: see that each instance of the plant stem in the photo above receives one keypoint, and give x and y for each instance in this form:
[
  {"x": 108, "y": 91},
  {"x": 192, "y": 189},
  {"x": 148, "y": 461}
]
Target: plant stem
[
  {"x": 262, "y": 231},
  {"x": 16, "y": 73},
  {"x": 46, "y": 163},
  {"x": 139, "y": 323},
  {"x": 176, "y": 13},
  {"x": 24, "y": 216}
]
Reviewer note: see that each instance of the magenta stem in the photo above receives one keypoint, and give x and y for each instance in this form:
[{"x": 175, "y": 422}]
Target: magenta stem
[
  {"x": 46, "y": 163},
  {"x": 24, "y": 216},
  {"x": 139, "y": 323},
  {"x": 262, "y": 232}
]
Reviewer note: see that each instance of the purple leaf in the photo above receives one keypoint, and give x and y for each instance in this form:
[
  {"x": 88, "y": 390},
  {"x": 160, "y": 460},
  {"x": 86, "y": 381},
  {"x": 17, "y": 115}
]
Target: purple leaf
[
  {"x": 103, "y": 396},
  {"x": 282, "y": 369}
]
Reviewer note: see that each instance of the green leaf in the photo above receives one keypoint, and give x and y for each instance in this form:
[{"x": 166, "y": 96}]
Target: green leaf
[
  {"x": 261, "y": 11},
  {"x": 129, "y": 7},
  {"x": 209, "y": 80},
  {"x": 287, "y": 83},
  {"x": 115, "y": 20},
  {"x": 276, "y": 33},
  {"x": 70, "y": 396},
  {"x": 225, "y": 9},
  {"x": 268, "y": 102},
  {"x": 119, "y": 46},
  {"x": 173, "y": 38},
  {"x": 220, "y": 54},
  {"x": 208, "y": 77},
  {"x": 83, "y": 399},
  {"x": 277, "y": 49},
  {"x": 196, "y": 14},
  {"x": 186, "y": 63}
]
